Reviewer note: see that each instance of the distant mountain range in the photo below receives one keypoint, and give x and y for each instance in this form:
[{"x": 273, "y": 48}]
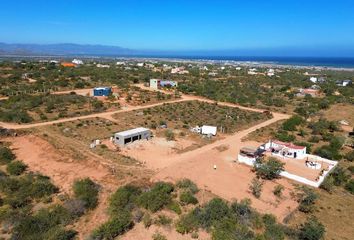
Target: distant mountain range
[{"x": 62, "y": 49}]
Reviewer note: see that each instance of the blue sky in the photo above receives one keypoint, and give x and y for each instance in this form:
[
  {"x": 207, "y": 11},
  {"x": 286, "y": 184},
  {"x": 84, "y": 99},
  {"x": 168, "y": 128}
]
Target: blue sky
[{"x": 182, "y": 25}]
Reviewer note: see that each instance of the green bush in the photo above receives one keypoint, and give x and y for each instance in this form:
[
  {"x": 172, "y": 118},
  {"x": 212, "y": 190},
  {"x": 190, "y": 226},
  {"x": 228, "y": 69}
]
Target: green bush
[
  {"x": 187, "y": 197},
  {"x": 327, "y": 184},
  {"x": 187, "y": 184},
  {"x": 158, "y": 236},
  {"x": 187, "y": 224},
  {"x": 123, "y": 199},
  {"x": 169, "y": 134},
  {"x": 39, "y": 225},
  {"x": 158, "y": 197},
  {"x": 278, "y": 189},
  {"x": 350, "y": 156},
  {"x": 87, "y": 191},
  {"x": 256, "y": 187},
  {"x": 16, "y": 168},
  {"x": 114, "y": 227},
  {"x": 174, "y": 206},
  {"x": 6, "y": 155},
  {"x": 340, "y": 176},
  {"x": 312, "y": 229},
  {"x": 350, "y": 186},
  {"x": 147, "y": 220},
  {"x": 163, "y": 220},
  {"x": 270, "y": 169},
  {"x": 292, "y": 123},
  {"x": 307, "y": 200}
]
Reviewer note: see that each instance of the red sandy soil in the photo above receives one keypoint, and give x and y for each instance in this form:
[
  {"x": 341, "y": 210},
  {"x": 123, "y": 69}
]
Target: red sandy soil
[{"x": 42, "y": 157}]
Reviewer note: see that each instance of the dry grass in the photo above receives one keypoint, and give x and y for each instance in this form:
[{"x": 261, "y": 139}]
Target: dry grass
[
  {"x": 340, "y": 112},
  {"x": 335, "y": 211}
]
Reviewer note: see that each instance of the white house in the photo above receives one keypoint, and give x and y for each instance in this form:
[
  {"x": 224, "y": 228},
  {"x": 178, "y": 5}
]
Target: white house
[
  {"x": 120, "y": 63},
  {"x": 77, "y": 62},
  {"x": 252, "y": 71},
  {"x": 284, "y": 149},
  {"x": 343, "y": 83}
]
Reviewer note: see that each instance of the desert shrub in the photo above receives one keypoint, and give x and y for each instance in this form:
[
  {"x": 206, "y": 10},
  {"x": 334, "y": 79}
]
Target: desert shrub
[
  {"x": 307, "y": 199},
  {"x": 124, "y": 198},
  {"x": 340, "y": 176},
  {"x": 350, "y": 169},
  {"x": 292, "y": 123},
  {"x": 229, "y": 229},
  {"x": 213, "y": 211},
  {"x": 314, "y": 139},
  {"x": 187, "y": 184},
  {"x": 328, "y": 184},
  {"x": 158, "y": 197},
  {"x": 350, "y": 156},
  {"x": 350, "y": 186},
  {"x": 187, "y": 224},
  {"x": 312, "y": 229},
  {"x": 59, "y": 233},
  {"x": 158, "y": 236},
  {"x": 6, "y": 155},
  {"x": 242, "y": 210},
  {"x": 270, "y": 169},
  {"x": 76, "y": 207},
  {"x": 174, "y": 206},
  {"x": 187, "y": 197},
  {"x": 328, "y": 152},
  {"x": 16, "y": 168},
  {"x": 284, "y": 136},
  {"x": 87, "y": 191},
  {"x": 169, "y": 134},
  {"x": 147, "y": 220},
  {"x": 163, "y": 220},
  {"x": 278, "y": 189},
  {"x": 114, "y": 227},
  {"x": 37, "y": 226},
  {"x": 256, "y": 187}
]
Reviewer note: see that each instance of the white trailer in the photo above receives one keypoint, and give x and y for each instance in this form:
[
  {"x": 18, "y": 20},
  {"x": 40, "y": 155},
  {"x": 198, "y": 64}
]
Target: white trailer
[{"x": 208, "y": 130}]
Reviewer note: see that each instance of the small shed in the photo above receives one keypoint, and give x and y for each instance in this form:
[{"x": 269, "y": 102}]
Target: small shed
[
  {"x": 132, "y": 135},
  {"x": 102, "y": 91},
  {"x": 208, "y": 130}
]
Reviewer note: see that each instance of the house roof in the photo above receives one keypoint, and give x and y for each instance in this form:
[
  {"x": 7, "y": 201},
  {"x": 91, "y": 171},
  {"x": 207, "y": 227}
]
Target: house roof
[
  {"x": 289, "y": 145},
  {"x": 132, "y": 131}
]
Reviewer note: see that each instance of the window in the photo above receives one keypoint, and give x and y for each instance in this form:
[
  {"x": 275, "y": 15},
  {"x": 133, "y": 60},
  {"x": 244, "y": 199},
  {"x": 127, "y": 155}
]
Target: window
[{"x": 127, "y": 140}]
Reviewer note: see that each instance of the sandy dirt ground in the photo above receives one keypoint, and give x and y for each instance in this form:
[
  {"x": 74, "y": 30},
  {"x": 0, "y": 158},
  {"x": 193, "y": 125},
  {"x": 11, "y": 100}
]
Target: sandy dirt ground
[
  {"x": 230, "y": 180},
  {"x": 155, "y": 153},
  {"x": 40, "y": 156}
]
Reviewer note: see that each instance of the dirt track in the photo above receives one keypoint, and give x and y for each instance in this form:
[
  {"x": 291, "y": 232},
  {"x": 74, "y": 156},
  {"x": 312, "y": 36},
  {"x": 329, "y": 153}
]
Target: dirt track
[{"x": 108, "y": 115}]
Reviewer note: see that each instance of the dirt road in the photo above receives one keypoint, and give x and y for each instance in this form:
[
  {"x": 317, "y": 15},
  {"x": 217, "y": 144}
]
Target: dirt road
[{"x": 108, "y": 115}]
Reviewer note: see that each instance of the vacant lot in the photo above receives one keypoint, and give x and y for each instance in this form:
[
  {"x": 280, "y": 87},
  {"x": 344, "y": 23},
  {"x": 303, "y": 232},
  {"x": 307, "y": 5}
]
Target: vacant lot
[
  {"x": 37, "y": 108},
  {"x": 189, "y": 114},
  {"x": 340, "y": 112}
]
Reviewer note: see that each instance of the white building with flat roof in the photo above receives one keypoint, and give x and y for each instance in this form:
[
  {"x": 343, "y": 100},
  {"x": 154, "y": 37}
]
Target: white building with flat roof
[{"x": 132, "y": 135}]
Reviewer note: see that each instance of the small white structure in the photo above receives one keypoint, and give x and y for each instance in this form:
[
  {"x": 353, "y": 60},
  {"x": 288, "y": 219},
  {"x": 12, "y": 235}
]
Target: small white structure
[
  {"x": 344, "y": 83},
  {"x": 140, "y": 64},
  {"x": 208, "y": 130},
  {"x": 77, "y": 61},
  {"x": 284, "y": 149},
  {"x": 252, "y": 71},
  {"x": 120, "y": 63},
  {"x": 313, "y": 79},
  {"x": 103, "y": 65},
  {"x": 271, "y": 72}
]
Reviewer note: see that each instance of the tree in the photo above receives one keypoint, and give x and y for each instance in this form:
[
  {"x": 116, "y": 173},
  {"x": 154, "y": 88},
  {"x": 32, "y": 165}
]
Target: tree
[
  {"x": 312, "y": 229},
  {"x": 350, "y": 186},
  {"x": 278, "y": 189},
  {"x": 256, "y": 187},
  {"x": 270, "y": 169}
]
